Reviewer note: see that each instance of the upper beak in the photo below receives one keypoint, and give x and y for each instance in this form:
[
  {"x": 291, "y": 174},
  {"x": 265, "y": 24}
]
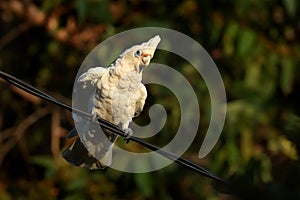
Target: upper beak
[
  {"x": 153, "y": 42},
  {"x": 150, "y": 48}
]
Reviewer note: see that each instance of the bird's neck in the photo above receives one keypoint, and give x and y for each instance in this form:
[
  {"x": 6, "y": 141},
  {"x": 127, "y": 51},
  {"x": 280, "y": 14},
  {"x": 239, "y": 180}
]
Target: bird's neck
[{"x": 124, "y": 78}]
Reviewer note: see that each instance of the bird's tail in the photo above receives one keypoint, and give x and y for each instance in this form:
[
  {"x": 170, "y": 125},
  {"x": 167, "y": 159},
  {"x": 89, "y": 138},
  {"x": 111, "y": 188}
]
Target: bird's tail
[{"x": 78, "y": 155}]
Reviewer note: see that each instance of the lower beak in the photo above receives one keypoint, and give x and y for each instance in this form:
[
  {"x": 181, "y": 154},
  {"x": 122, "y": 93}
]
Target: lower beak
[{"x": 146, "y": 60}]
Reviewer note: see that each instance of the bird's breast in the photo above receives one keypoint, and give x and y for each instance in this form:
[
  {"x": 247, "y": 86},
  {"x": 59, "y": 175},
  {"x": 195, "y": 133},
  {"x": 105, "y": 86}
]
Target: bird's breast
[{"x": 115, "y": 97}]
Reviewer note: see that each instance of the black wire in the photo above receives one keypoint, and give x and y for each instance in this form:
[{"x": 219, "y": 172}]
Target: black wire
[{"x": 107, "y": 125}]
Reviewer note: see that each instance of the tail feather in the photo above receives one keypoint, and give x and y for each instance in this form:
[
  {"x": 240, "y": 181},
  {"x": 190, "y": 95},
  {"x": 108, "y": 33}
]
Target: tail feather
[
  {"x": 72, "y": 133},
  {"x": 77, "y": 155}
]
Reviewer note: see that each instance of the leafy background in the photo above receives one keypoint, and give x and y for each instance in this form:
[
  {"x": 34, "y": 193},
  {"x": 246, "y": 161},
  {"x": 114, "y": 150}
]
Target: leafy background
[{"x": 255, "y": 45}]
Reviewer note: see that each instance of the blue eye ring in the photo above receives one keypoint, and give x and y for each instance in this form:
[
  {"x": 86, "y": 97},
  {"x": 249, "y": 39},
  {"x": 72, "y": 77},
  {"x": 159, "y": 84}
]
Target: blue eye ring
[{"x": 138, "y": 53}]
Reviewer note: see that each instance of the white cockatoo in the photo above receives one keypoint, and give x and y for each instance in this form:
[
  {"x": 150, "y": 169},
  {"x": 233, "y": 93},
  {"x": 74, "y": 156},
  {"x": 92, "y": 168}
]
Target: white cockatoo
[{"x": 118, "y": 96}]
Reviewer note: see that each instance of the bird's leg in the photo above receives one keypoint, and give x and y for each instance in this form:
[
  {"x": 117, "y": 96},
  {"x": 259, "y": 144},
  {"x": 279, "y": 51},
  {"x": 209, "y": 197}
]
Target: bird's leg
[{"x": 128, "y": 133}]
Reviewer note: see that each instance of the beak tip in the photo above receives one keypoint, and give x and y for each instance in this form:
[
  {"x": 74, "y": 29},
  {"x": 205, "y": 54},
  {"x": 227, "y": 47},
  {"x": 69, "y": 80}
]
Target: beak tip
[{"x": 154, "y": 41}]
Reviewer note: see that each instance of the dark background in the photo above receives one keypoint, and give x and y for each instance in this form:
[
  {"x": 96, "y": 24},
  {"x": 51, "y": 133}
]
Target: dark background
[{"x": 255, "y": 45}]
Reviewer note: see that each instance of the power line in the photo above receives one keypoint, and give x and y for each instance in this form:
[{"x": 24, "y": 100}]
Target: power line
[{"x": 107, "y": 125}]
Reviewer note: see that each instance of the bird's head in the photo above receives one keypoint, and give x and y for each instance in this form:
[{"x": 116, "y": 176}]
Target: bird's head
[{"x": 139, "y": 56}]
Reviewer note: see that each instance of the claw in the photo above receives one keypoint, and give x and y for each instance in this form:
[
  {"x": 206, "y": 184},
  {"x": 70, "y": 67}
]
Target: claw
[
  {"x": 128, "y": 134},
  {"x": 94, "y": 118}
]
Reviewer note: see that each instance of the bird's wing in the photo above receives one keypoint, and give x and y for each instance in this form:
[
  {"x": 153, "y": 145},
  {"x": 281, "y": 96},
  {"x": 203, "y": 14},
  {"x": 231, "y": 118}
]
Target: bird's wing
[
  {"x": 91, "y": 77},
  {"x": 140, "y": 101},
  {"x": 95, "y": 147},
  {"x": 85, "y": 86}
]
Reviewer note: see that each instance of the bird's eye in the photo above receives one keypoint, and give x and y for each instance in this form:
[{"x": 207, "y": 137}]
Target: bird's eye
[{"x": 138, "y": 53}]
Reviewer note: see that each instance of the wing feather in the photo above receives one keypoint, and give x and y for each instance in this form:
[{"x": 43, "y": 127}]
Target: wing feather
[
  {"x": 140, "y": 102},
  {"x": 91, "y": 76},
  {"x": 86, "y": 85}
]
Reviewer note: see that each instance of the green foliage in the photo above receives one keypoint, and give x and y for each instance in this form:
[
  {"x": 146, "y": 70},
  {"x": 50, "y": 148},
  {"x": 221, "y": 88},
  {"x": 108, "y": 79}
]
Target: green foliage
[
  {"x": 255, "y": 45},
  {"x": 144, "y": 184},
  {"x": 94, "y": 10}
]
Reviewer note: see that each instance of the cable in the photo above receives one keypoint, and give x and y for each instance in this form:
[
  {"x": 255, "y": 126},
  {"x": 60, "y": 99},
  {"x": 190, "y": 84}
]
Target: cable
[{"x": 107, "y": 125}]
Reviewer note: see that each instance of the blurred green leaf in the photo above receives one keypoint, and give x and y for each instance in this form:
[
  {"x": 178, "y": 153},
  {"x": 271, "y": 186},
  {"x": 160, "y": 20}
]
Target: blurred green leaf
[
  {"x": 81, "y": 8},
  {"x": 246, "y": 145},
  {"x": 233, "y": 156},
  {"x": 4, "y": 195},
  {"x": 230, "y": 35},
  {"x": 246, "y": 40},
  {"x": 287, "y": 75},
  {"x": 266, "y": 167},
  {"x": 47, "y": 5},
  {"x": 253, "y": 76},
  {"x": 291, "y": 7},
  {"x": 145, "y": 184},
  {"x": 94, "y": 10},
  {"x": 77, "y": 184},
  {"x": 46, "y": 162}
]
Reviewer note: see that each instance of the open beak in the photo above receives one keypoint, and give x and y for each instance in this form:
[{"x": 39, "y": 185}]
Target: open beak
[
  {"x": 146, "y": 59},
  {"x": 149, "y": 49}
]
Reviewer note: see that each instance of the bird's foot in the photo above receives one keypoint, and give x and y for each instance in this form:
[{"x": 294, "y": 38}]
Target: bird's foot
[
  {"x": 94, "y": 118},
  {"x": 128, "y": 133}
]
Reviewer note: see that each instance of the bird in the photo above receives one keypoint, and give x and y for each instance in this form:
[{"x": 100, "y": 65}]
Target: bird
[{"x": 119, "y": 95}]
